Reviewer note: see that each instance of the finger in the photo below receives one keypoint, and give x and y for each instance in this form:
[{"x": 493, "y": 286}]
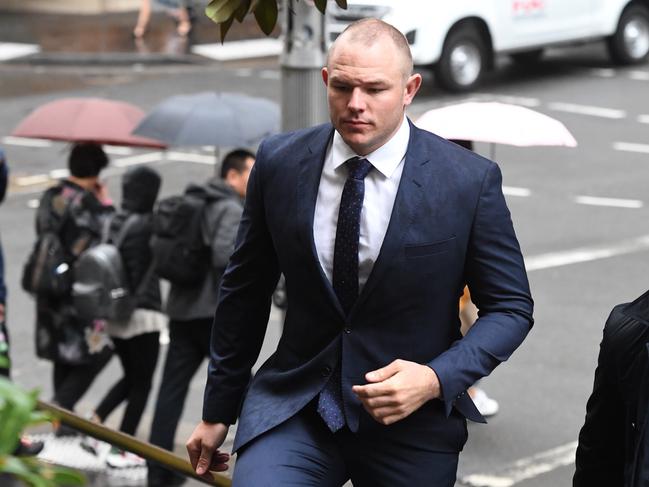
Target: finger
[
  {"x": 383, "y": 373},
  {"x": 372, "y": 390},
  {"x": 193, "y": 451},
  {"x": 380, "y": 402},
  {"x": 205, "y": 460}
]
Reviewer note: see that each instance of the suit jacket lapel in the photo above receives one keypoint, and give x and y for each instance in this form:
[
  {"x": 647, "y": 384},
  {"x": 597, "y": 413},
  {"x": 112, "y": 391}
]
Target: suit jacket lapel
[
  {"x": 310, "y": 170},
  {"x": 408, "y": 198}
]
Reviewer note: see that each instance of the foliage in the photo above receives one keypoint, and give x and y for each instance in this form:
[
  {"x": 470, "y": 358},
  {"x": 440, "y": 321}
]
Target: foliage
[
  {"x": 225, "y": 12},
  {"x": 16, "y": 413}
]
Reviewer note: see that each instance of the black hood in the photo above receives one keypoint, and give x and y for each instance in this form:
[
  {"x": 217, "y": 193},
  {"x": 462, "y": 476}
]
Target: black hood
[
  {"x": 215, "y": 189},
  {"x": 140, "y": 186}
]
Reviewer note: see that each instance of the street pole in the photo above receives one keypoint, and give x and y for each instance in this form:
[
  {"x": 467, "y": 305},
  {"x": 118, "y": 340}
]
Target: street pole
[{"x": 304, "y": 101}]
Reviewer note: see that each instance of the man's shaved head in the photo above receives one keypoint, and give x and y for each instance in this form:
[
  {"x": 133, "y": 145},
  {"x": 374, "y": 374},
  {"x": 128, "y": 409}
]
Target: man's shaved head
[{"x": 368, "y": 31}]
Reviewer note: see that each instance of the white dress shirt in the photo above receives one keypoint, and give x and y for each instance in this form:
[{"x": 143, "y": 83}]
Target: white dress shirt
[{"x": 381, "y": 186}]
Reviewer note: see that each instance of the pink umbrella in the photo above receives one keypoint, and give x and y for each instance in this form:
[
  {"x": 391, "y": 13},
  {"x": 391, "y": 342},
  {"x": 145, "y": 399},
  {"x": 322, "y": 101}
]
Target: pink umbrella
[
  {"x": 498, "y": 123},
  {"x": 86, "y": 120}
]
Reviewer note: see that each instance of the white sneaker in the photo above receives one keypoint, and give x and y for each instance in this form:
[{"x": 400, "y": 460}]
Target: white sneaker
[
  {"x": 486, "y": 405},
  {"x": 123, "y": 459}
]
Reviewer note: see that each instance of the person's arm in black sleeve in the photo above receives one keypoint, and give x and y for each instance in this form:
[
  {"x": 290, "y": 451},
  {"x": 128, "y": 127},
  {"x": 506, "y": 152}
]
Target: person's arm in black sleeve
[{"x": 600, "y": 453}]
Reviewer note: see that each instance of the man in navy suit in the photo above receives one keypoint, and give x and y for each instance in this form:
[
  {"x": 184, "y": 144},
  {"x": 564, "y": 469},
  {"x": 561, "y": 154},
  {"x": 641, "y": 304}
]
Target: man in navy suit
[{"x": 377, "y": 226}]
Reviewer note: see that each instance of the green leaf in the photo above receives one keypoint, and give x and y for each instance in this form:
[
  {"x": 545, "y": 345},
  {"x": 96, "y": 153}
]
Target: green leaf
[
  {"x": 222, "y": 10},
  {"x": 225, "y": 27},
  {"x": 321, "y": 5},
  {"x": 242, "y": 11},
  {"x": 342, "y": 3},
  {"x": 266, "y": 15}
]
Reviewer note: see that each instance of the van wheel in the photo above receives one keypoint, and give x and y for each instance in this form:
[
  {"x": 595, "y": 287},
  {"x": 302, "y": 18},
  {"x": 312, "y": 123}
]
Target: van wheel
[
  {"x": 527, "y": 58},
  {"x": 463, "y": 60},
  {"x": 630, "y": 43}
]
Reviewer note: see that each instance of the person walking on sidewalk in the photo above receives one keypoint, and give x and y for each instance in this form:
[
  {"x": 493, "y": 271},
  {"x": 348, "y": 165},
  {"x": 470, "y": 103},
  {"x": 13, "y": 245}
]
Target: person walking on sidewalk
[
  {"x": 137, "y": 342},
  {"x": 74, "y": 210},
  {"x": 377, "y": 226},
  {"x": 191, "y": 309}
]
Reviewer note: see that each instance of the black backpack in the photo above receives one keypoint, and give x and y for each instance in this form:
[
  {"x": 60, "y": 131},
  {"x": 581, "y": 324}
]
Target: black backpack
[
  {"x": 101, "y": 289},
  {"x": 47, "y": 272},
  {"x": 179, "y": 247},
  {"x": 48, "y": 269}
]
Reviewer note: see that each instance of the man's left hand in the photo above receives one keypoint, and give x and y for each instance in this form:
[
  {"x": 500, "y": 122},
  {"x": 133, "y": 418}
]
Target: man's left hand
[{"x": 397, "y": 390}]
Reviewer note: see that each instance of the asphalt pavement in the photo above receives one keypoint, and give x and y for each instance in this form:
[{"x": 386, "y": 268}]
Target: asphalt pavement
[{"x": 581, "y": 216}]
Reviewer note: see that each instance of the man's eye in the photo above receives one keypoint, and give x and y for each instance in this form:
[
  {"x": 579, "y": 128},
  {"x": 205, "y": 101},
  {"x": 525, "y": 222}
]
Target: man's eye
[
  {"x": 341, "y": 87},
  {"x": 376, "y": 90}
]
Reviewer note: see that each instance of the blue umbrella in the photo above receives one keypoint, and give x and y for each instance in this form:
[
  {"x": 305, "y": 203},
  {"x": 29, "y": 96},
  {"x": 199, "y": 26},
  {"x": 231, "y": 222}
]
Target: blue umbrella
[{"x": 218, "y": 119}]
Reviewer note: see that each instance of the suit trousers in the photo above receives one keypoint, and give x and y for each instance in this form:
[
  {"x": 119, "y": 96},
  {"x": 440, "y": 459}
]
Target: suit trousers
[{"x": 303, "y": 452}]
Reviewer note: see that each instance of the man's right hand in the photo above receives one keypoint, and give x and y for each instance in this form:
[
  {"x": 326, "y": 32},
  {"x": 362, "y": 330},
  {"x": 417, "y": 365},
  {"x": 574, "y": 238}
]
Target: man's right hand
[{"x": 202, "y": 447}]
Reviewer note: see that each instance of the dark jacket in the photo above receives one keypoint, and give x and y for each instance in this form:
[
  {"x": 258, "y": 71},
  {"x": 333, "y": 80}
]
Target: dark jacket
[
  {"x": 60, "y": 334},
  {"x": 612, "y": 449},
  {"x": 139, "y": 191},
  {"x": 450, "y": 226},
  {"x": 220, "y": 224}
]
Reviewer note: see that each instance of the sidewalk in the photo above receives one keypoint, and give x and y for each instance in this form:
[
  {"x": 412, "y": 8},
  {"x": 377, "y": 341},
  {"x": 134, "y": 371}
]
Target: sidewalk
[{"x": 107, "y": 38}]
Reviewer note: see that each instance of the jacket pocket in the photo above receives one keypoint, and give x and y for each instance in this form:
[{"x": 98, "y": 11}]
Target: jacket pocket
[{"x": 422, "y": 250}]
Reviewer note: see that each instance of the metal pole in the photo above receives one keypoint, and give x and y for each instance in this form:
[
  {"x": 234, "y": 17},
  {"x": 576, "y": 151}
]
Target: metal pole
[
  {"x": 127, "y": 442},
  {"x": 304, "y": 101}
]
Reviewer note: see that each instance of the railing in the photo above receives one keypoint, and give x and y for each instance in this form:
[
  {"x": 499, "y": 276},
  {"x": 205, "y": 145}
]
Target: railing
[{"x": 128, "y": 442}]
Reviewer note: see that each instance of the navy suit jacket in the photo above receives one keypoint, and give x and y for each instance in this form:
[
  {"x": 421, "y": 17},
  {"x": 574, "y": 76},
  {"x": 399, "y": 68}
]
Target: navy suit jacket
[{"x": 450, "y": 226}]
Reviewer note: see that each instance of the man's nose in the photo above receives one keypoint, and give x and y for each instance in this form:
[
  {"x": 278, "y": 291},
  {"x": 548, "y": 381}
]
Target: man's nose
[{"x": 356, "y": 100}]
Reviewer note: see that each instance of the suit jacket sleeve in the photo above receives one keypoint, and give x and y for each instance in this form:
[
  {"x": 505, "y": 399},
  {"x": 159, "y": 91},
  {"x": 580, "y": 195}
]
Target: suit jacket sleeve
[
  {"x": 495, "y": 274},
  {"x": 243, "y": 308}
]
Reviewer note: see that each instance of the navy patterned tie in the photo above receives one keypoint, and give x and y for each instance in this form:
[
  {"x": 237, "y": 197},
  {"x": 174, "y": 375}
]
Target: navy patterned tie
[{"x": 345, "y": 276}]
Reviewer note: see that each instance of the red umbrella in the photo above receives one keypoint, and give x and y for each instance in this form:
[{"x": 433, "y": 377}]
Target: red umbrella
[{"x": 86, "y": 120}]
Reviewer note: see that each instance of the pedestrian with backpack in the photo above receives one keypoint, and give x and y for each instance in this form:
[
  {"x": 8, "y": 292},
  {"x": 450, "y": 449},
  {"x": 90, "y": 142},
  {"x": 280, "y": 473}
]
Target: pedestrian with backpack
[
  {"x": 69, "y": 220},
  {"x": 137, "y": 338},
  {"x": 209, "y": 215}
]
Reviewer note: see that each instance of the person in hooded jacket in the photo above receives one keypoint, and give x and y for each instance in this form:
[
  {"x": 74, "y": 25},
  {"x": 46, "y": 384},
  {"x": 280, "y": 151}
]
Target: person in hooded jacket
[
  {"x": 191, "y": 310},
  {"x": 137, "y": 342}
]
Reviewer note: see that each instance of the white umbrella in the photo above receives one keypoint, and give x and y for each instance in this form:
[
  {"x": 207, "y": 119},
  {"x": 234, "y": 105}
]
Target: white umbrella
[{"x": 498, "y": 123}]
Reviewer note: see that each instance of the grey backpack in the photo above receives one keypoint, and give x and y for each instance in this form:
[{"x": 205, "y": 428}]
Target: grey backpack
[{"x": 101, "y": 288}]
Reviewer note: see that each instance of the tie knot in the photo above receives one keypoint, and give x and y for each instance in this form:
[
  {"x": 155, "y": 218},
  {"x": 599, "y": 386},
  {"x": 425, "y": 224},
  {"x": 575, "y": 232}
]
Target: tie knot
[{"x": 358, "y": 167}]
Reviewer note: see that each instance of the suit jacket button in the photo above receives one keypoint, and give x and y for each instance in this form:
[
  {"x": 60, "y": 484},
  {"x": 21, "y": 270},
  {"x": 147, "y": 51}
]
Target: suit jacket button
[
  {"x": 347, "y": 330},
  {"x": 326, "y": 371}
]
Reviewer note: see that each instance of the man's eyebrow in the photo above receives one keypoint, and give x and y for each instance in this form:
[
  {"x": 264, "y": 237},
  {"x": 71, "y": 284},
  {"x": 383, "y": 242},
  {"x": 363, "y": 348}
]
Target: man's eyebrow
[{"x": 346, "y": 80}]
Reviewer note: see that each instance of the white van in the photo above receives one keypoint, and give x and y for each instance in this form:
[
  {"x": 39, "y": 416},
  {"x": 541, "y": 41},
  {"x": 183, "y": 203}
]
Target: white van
[{"x": 460, "y": 37}]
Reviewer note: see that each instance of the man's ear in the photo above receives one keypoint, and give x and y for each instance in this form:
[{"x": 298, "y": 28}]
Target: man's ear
[
  {"x": 412, "y": 87},
  {"x": 325, "y": 76}
]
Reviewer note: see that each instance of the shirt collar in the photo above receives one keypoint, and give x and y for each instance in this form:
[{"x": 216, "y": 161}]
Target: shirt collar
[{"x": 385, "y": 159}]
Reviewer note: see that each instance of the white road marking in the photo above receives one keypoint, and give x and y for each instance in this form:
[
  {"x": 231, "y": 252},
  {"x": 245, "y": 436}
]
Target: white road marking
[
  {"x": 139, "y": 159},
  {"x": 12, "y": 50},
  {"x": 639, "y": 75},
  {"x": 513, "y": 191},
  {"x": 191, "y": 157},
  {"x": 240, "y": 49},
  {"x": 115, "y": 150},
  {"x": 631, "y": 147},
  {"x": 587, "y": 110},
  {"x": 586, "y": 254},
  {"x": 59, "y": 173},
  {"x": 643, "y": 118},
  {"x": 31, "y": 180},
  {"x": 613, "y": 202},
  {"x": 25, "y": 142},
  {"x": 603, "y": 73},
  {"x": 525, "y": 468},
  {"x": 515, "y": 100},
  {"x": 269, "y": 74}
]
